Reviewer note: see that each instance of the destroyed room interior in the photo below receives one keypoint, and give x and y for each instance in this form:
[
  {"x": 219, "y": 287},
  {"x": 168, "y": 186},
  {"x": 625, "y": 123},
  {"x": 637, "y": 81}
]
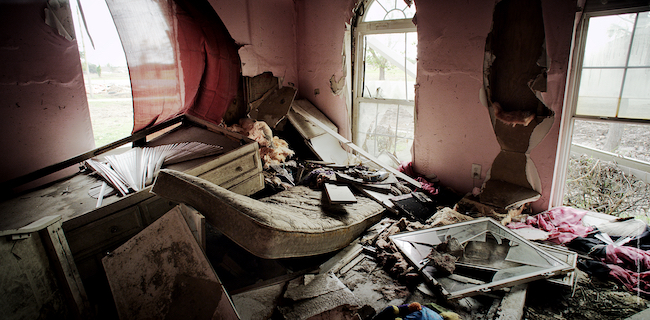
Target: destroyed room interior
[{"x": 320, "y": 159}]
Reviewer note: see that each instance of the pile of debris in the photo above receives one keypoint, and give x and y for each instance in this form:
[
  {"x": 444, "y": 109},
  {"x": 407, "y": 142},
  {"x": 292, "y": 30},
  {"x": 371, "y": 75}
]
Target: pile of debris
[{"x": 432, "y": 252}]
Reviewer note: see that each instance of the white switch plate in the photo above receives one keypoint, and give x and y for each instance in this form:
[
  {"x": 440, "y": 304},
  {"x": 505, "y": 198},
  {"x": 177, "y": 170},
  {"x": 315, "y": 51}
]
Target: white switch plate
[{"x": 476, "y": 171}]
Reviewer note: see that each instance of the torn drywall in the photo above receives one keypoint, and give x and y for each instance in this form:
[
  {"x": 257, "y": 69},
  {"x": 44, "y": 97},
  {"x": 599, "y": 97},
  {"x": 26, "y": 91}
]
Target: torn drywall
[{"x": 514, "y": 78}]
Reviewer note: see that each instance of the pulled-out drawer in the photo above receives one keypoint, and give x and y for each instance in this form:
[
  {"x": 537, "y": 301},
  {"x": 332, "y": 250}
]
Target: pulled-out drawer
[{"x": 115, "y": 228}]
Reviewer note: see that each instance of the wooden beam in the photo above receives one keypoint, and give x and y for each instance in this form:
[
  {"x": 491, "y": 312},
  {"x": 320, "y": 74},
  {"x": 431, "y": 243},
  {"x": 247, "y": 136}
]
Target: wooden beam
[{"x": 61, "y": 258}]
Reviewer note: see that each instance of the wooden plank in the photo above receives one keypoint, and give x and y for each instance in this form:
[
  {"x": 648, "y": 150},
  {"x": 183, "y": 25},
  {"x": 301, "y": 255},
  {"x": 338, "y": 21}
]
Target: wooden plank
[
  {"x": 356, "y": 148},
  {"x": 309, "y": 111},
  {"x": 32, "y": 227},
  {"x": 329, "y": 149},
  {"x": 274, "y": 108},
  {"x": 162, "y": 273},
  {"x": 215, "y": 128},
  {"x": 342, "y": 258},
  {"x": 255, "y": 87},
  {"x": 512, "y": 305},
  {"x": 61, "y": 258}
]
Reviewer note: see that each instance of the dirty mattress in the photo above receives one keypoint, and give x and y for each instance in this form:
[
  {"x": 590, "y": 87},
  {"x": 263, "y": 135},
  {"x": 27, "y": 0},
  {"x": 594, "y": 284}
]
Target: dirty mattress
[{"x": 293, "y": 223}]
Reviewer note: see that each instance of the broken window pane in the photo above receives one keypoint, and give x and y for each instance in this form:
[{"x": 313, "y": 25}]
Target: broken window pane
[
  {"x": 639, "y": 54},
  {"x": 616, "y": 67},
  {"x": 635, "y": 100},
  {"x": 608, "y": 40},
  {"x": 599, "y": 91},
  {"x": 386, "y": 127},
  {"x": 492, "y": 257}
]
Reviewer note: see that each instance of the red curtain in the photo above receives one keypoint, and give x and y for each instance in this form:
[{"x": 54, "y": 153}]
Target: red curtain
[{"x": 181, "y": 59}]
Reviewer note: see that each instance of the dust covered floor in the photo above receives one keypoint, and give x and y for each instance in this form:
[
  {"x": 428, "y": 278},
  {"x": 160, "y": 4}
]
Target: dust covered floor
[{"x": 592, "y": 299}]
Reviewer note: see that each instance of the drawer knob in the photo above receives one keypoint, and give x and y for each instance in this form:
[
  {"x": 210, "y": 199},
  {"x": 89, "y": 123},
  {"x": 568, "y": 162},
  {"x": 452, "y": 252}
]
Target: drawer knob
[
  {"x": 239, "y": 169},
  {"x": 114, "y": 229}
]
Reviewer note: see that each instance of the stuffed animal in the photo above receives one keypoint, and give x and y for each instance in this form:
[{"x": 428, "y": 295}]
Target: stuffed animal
[{"x": 413, "y": 311}]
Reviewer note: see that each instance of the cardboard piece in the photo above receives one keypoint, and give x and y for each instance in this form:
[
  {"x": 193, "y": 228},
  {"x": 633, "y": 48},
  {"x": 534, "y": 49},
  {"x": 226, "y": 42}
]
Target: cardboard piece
[
  {"x": 339, "y": 194},
  {"x": 162, "y": 273}
]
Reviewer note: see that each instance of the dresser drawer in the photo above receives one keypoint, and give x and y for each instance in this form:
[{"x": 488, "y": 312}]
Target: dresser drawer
[
  {"x": 250, "y": 185},
  {"x": 232, "y": 170},
  {"x": 104, "y": 232}
]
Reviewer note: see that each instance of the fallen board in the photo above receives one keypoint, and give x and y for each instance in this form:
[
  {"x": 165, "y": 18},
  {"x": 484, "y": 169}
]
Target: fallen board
[
  {"x": 352, "y": 146},
  {"x": 162, "y": 273}
]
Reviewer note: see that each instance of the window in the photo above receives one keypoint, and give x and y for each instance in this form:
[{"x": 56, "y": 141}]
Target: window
[
  {"x": 385, "y": 70},
  {"x": 615, "y": 73},
  {"x": 607, "y": 113},
  {"x": 108, "y": 85}
]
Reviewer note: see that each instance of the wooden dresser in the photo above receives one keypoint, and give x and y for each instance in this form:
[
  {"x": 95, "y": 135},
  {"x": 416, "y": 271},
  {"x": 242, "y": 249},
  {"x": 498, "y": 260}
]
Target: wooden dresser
[{"x": 92, "y": 232}]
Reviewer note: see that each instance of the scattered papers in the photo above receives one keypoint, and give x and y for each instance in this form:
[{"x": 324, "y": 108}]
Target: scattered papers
[{"x": 137, "y": 168}]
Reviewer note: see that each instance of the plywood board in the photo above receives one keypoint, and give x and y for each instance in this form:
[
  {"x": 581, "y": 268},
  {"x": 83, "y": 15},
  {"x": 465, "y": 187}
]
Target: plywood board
[{"x": 162, "y": 273}]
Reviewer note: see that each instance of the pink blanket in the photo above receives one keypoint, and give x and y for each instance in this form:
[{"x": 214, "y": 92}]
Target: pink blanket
[{"x": 563, "y": 223}]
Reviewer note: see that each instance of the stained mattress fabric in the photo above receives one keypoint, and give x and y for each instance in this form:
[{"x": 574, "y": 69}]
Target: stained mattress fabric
[{"x": 293, "y": 223}]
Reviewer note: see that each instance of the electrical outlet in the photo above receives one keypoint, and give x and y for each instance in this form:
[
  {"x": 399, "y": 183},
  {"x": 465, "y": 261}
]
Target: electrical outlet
[{"x": 476, "y": 171}]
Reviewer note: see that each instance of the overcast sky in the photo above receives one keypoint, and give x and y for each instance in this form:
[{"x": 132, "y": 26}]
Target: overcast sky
[{"x": 108, "y": 48}]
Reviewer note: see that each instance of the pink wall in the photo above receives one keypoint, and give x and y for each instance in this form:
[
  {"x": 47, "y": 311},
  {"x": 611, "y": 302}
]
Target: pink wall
[
  {"x": 453, "y": 129},
  {"x": 303, "y": 41},
  {"x": 321, "y": 28},
  {"x": 266, "y": 30},
  {"x": 44, "y": 117}
]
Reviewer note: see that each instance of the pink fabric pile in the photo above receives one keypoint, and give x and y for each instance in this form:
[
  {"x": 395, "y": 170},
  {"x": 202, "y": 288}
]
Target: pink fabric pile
[
  {"x": 563, "y": 223},
  {"x": 407, "y": 168}
]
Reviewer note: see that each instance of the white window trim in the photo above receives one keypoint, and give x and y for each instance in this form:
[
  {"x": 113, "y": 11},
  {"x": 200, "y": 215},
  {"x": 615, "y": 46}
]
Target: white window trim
[
  {"x": 570, "y": 104},
  {"x": 360, "y": 31}
]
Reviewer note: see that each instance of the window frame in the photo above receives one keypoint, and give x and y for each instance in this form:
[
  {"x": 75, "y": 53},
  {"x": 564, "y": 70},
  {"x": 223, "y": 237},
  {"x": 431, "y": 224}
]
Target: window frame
[
  {"x": 569, "y": 115},
  {"x": 359, "y": 32}
]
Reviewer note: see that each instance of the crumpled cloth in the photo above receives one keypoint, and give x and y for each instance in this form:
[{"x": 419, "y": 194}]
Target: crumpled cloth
[
  {"x": 563, "y": 223},
  {"x": 630, "y": 258},
  {"x": 638, "y": 282},
  {"x": 407, "y": 168},
  {"x": 628, "y": 265},
  {"x": 424, "y": 314}
]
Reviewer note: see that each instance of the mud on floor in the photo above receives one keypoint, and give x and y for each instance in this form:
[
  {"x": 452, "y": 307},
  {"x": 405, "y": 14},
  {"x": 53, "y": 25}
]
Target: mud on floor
[{"x": 592, "y": 299}]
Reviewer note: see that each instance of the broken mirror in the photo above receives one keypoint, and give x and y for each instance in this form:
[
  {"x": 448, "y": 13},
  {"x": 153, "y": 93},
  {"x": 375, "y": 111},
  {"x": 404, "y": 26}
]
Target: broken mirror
[{"x": 474, "y": 257}]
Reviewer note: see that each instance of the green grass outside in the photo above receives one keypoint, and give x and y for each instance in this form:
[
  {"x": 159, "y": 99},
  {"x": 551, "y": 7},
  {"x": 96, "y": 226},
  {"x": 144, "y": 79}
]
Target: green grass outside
[{"x": 111, "y": 120}]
